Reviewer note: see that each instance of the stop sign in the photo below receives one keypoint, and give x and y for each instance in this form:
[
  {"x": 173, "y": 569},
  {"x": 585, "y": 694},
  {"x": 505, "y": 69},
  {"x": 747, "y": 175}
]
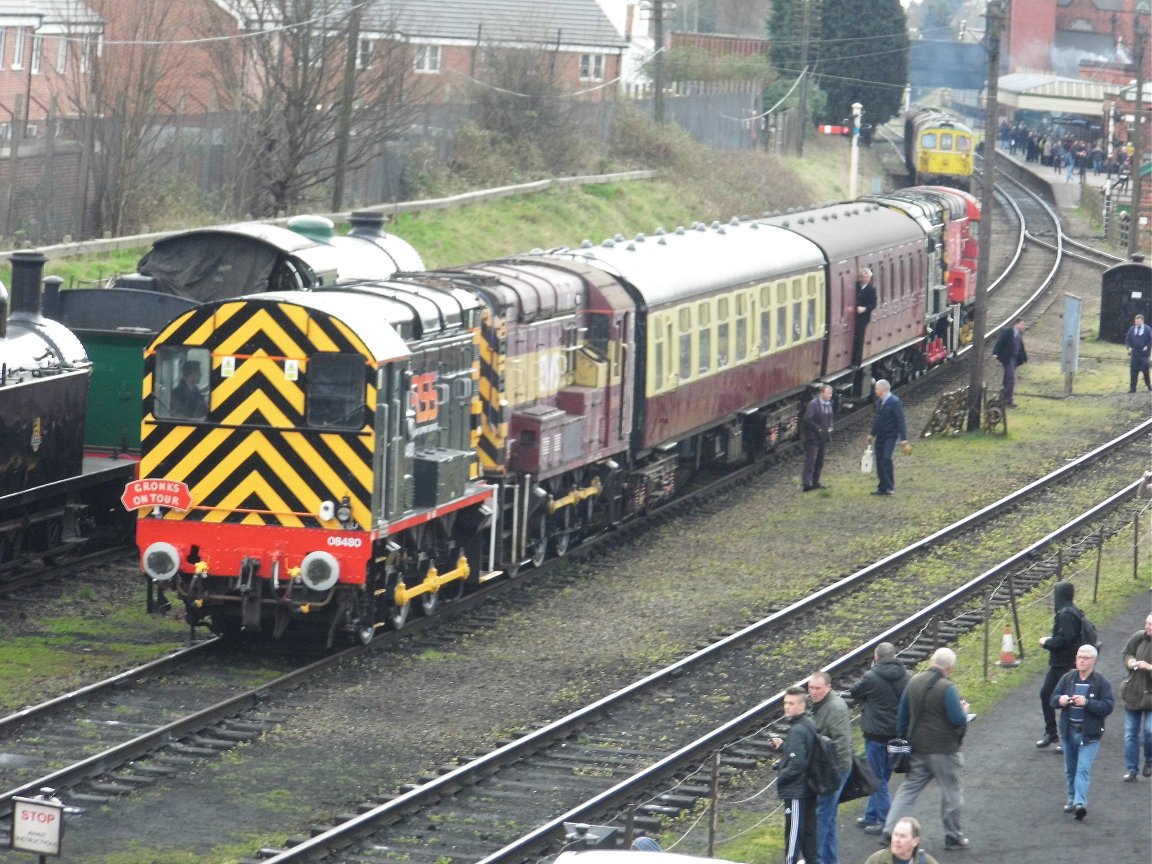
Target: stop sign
[{"x": 156, "y": 493}]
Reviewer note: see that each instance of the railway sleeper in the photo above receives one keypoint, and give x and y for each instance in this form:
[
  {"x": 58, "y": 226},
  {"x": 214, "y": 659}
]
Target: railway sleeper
[
  {"x": 194, "y": 749},
  {"x": 132, "y": 780}
]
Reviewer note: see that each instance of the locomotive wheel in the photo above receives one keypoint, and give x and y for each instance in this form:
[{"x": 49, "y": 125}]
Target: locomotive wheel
[
  {"x": 538, "y": 545},
  {"x": 564, "y": 529},
  {"x": 397, "y": 615},
  {"x": 430, "y": 602},
  {"x": 365, "y": 631}
]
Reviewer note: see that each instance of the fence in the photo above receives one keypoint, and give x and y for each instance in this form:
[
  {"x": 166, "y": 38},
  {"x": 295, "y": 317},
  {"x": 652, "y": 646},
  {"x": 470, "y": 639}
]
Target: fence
[{"x": 49, "y": 183}]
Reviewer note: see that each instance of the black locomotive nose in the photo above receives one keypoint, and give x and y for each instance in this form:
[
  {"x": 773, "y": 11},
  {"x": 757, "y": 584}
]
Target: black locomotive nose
[{"x": 27, "y": 277}]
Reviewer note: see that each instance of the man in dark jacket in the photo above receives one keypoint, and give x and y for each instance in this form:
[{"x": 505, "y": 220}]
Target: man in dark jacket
[
  {"x": 888, "y": 429},
  {"x": 1086, "y": 697},
  {"x": 933, "y": 718},
  {"x": 865, "y": 303},
  {"x": 1138, "y": 341},
  {"x": 833, "y": 720},
  {"x": 878, "y": 695},
  {"x": 816, "y": 432},
  {"x": 1009, "y": 350},
  {"x": 1136, "y": 694},
  {"x": 1061, "y": 647},
  {"x": 792, "y": 782}
]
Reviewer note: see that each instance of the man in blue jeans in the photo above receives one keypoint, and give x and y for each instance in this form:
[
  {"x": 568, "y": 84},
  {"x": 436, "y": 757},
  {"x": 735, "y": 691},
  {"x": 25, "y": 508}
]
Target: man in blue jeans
[
  {"x": 1086, "y": 699},
  {"x": 878, "y": 695},
  {"x": 833, "y": 719}
]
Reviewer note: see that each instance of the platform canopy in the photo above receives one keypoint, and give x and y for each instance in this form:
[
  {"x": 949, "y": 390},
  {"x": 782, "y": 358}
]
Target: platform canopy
[{"x": 1028, "y": 91}]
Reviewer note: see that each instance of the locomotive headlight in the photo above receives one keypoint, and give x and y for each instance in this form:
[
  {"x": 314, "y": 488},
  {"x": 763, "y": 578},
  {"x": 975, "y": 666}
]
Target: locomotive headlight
[
  {"x": 344, "y": 511},
  {"x": 327, "y": 511},
  {"x": 319, "y": 571},
  {"x": 161, "y": 561}
]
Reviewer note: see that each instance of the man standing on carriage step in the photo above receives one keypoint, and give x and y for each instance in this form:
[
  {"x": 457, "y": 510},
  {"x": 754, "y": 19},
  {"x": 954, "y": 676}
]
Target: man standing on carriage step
[
  {"x": 1139, "y": 345},
  {"x": 865, "y": 303},
  {"x": 1009, "y": 350}
]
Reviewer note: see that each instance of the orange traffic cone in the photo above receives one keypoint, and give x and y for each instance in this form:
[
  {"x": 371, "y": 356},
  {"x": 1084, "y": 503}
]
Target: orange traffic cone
[{"x": 1008, "y": 650}]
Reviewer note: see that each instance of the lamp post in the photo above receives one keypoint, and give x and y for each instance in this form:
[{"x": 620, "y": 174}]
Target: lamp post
[{"x": 857, "y": 110}]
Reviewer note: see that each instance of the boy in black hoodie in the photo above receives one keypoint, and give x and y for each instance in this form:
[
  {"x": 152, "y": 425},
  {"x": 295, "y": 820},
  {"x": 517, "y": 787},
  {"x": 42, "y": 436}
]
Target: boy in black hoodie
[{"x": 1061, "y": 645}]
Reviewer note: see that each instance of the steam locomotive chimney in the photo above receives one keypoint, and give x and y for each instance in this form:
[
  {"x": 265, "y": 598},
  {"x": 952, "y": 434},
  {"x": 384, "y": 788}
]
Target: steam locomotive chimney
[
  {"x": 366, "y": 223},
  {"x": 27, "y": 275}
]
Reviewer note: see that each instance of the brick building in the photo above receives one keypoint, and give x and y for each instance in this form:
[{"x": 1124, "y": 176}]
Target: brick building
[{"x": 1058, "y": 35}]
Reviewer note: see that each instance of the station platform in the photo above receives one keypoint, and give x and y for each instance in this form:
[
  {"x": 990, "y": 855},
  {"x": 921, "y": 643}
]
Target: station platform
[
  {"x": 1065, "y": 194},
  {"x": 1014, "y": 794}
]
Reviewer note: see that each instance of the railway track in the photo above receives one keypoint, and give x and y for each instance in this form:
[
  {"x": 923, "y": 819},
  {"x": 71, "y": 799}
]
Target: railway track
[
  {"x": 106, "y": 778},
  {"x": 630, "y": 745},
  {"x": 154, "y": 724}
]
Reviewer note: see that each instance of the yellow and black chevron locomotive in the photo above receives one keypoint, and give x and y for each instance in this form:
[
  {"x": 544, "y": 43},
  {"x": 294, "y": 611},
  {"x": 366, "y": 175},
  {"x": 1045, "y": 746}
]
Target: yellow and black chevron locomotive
[{"x": 323, "y": 443}]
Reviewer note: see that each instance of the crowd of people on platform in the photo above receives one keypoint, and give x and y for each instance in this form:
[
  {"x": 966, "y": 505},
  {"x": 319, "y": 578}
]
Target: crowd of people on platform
[{"x": 1068, "y": 154}]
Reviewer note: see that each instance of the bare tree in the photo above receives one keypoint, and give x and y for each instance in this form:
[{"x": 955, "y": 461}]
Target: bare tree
[
  {"x": 301, "y": 102},
  {"x": 530, "y": 118},
  {"x": 115, "y": 88}
]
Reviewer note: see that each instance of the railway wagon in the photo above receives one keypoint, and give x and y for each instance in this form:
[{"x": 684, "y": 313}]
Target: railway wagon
[
  {"x": 604, "y": 377},
  {"x": 51, "y": 495},
  {"x": 938, "y": 149},
  {"x": 117, "y": 322}
]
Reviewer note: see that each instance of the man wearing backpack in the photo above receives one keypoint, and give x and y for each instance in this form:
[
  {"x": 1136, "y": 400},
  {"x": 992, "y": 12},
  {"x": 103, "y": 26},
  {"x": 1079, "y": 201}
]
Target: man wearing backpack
[
  {"x": 1061, "y": 647},
  {"x": 834, "y": 720},
  {"x": 878, "y": 695},
  {"x": 933, "y": 718},
  {"x": 799, "y": 748}
]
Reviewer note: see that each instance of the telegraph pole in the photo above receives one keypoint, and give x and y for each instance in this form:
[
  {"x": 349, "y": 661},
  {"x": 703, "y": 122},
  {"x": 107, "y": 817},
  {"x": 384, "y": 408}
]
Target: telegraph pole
[
  {"x": 1135, "y": 230},
  {"x": 994, "y": 15},
  {"x": 344, "y": 118},
  {"x": 802, "y": 109},
  {"x": 658, "y": 66}
]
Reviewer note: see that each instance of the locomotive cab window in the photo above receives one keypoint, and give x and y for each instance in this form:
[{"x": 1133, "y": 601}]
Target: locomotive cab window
[
  {"x": 928, "y": 140},
  {"x": 180, "y": 383},
  {"x": 946, "y": 141},
  {"x": 336, "y": 391}
]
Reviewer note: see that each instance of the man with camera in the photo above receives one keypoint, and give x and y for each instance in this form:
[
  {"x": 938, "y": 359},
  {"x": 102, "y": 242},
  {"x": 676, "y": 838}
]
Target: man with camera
[{"x": 1086, "y": 699}]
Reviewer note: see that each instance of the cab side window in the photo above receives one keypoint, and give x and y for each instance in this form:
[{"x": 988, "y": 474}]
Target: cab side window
[{"x": 336, "y": 391}]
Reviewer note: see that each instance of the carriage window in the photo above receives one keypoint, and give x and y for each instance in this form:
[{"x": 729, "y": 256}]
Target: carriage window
[
  {"x": 741, "y": 327},
  {"x": 336, "y": 391},
  {"x": 781, "y": 315},
  {"x": 722, "y": 332},
  {"x": 180, "y": 383},
  {"x": 765, "y": 319},
  {"x": 704, "y": 314},
  {"x": 658, "y": 356},
  {"x": 928, "y": 140},
  {"x": 685, "y": 344}
]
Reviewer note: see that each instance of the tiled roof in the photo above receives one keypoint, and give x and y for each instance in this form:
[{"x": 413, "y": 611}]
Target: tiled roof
[
  {"x": 51, "y": 15},
  {"x": 567, "y": 22}
]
